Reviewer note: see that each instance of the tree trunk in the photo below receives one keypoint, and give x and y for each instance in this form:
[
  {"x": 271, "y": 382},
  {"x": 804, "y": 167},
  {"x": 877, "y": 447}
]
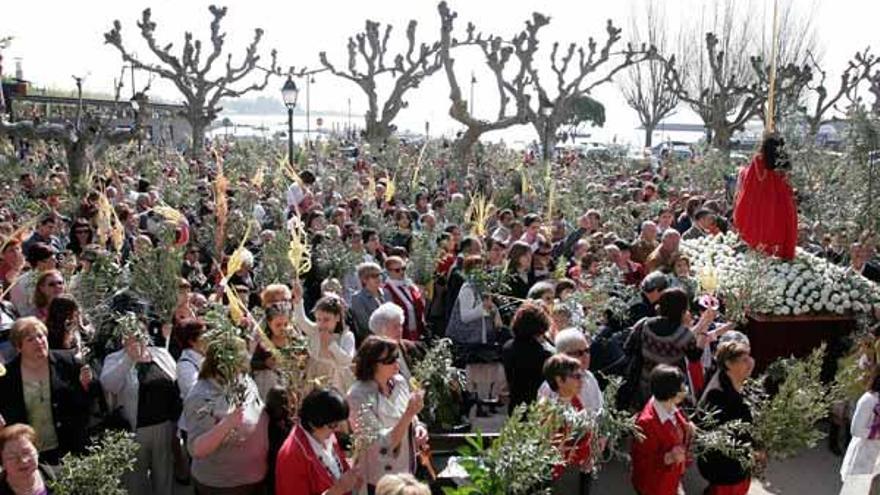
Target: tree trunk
[
  {"x": 547, "y": 132},
  {"x": 197, "y": 147},
  {"x": 649, "y": 135},
  {"x": 76, "y": 165},
  {"x": 376, "y": 133},
  {"x": 722, "y": 137},
  {"x": 466, "y": 142}
]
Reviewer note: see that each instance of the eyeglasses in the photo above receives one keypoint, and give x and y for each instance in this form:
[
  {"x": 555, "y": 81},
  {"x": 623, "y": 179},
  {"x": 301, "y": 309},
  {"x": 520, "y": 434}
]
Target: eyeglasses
[
  {"x": 55, "y": 283},
  {"x": 21, "y": 457},
  {"x": 579, "y": 353},
  {"x": 390, "y": 359},
  {"x": 396, "y": 270}
]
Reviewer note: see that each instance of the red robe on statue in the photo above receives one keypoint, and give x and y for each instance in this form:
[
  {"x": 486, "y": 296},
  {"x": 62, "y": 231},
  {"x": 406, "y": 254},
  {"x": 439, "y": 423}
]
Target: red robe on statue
[{"x": 764, "y": 212}]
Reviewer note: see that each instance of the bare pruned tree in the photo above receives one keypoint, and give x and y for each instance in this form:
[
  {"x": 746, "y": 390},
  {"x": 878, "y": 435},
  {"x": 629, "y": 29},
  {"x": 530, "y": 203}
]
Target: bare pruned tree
[
  {"x": 408, "y": 70},
  {"x": 644, "y": 85},
  {"x": 201, "y": 89},
  {"x": 721, "y": 72},
  {"x": 858, "y": 70},
  {"x": 498, "y": 57},
  {"x": 86, "y": 138},
  {"x": 875, "y": 90},
  {"x": 578, "y": 71}
]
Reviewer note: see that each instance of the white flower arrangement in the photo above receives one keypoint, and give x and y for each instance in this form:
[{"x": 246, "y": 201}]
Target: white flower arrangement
[{"x": 806, "y": 285}]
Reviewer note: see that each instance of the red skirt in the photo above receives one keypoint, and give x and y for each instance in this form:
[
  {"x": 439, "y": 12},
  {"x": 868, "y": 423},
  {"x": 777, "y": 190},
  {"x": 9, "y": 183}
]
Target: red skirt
[{"x": 741, "y": 488}]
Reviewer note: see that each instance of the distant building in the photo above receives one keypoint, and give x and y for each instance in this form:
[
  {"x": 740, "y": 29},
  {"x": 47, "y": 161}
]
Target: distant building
[{"x": 166, "y": 125}]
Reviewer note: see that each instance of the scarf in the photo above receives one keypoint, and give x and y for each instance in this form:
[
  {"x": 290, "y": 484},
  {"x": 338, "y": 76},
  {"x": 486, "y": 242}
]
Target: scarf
[{"x": 400, "y": 290}]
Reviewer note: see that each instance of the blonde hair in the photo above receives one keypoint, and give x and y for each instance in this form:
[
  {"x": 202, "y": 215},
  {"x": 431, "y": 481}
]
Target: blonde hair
[
  {"x": 274, "y": 293},
  {"x": 24, "y": 327},
  {"x": 401, "y": 484}
]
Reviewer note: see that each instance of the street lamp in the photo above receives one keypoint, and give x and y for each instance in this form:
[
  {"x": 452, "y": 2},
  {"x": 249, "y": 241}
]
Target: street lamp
[{"x": 289, "y": 94}]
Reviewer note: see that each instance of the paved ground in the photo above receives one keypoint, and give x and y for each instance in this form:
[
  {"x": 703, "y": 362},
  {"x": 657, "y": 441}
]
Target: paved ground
[{"x": 814, "y": 472}]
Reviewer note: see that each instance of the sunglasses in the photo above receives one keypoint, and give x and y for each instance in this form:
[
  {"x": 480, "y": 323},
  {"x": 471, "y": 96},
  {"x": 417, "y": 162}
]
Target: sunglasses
[
  {"x": 390, "y": 359},
  {"x": 56, "y": 283},
  {"x": 396, "y": 270},
  {"x": 579, "y": 353}
]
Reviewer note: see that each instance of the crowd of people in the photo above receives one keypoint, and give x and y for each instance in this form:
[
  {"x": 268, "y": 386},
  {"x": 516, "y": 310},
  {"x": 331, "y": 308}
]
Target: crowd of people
[{"x": 362, "y": 333}]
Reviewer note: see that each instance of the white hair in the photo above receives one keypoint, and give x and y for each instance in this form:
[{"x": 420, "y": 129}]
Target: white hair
[
  {"x": 568, "y": 340},
  {"x": 384, "y": 316}
]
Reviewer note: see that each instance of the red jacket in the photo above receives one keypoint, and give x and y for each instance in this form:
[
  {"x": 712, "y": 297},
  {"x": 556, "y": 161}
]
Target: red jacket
[
  {"x": 651, "y": 476},
  {"x": 299, "y": 471},
  {"x": 413, "y": 296}
]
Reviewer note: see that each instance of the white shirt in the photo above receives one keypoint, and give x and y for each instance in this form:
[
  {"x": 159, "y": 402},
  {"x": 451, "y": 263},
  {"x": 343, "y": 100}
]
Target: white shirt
[
  {"x": 589, "y": 394},
  {"x": 295, "y": 195},
  {"x": 324, "y": 451},
  {"x": 662, "y": 414}
]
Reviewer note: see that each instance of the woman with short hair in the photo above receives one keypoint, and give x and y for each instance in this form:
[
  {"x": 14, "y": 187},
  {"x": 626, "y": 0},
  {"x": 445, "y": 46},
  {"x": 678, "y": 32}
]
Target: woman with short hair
[
  {"x": 724, "y": 395},
  {"x": 575, "y": 344},
  {"x": 227, "y": 436},
  {"x": 385, "y": 397},
  {"x": 401, "y": 484},
  {"x": 48, "y": 390},
  {"x": 565, "y": 379},
  {"x": 525, "y": 354},
  {"x": 310, "y": 461},
  {"x": 22, "y": 473}
]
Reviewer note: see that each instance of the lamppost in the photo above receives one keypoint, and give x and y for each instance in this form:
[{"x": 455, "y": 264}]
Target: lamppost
[
  {"x": 473, "y": 81},
  {"x": 137, "y": 104},
  {"x": 309, "y": 81},
  {"x": 288, "y": 95}
]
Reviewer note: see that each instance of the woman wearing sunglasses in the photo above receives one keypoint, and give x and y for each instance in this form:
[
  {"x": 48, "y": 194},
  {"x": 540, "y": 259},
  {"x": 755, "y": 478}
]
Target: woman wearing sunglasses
[{"x": 382, "y": 394}]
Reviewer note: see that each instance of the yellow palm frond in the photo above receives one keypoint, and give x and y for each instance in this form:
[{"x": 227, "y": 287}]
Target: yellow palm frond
[
  {"x": 478, "y": 214},
  {"x": 390, "y": 189},
  {"x": 300, "y": 251}
]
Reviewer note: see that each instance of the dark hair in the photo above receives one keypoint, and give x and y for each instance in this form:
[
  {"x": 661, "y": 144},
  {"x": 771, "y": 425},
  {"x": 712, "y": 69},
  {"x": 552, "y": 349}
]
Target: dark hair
[
  {"x": 672, "y": 304},
  {"x": 472, "y": 262},
  {"x": 530, "y": 321},
  {"x": 367, "y": 233},
  {"x": 563, "y": 285},
  {"x": 466, "y": 243},
  {"x": 655, "y": 280},
  {"x": 38, "y": 252},
  {"x": 74, "y": 244},
  {"x": 188, "y": 331},
  {"x": 335, "y": 306},
  {"x": 59, "y": 312},
  {"x": 517, "y": 250},
  {"x": 307, "y": 177},
  {"x": 559, "y": 366},
  {"x": 666, "y": 381},
  {"x": 531, "y": 218},
  {"x": 322, "y": 407},
  {"x": 775, "y": 156},
  {"x": 622, "y": 245},
  {"x": 875, "y": 383},
  {"x": 371, "y": 351}
]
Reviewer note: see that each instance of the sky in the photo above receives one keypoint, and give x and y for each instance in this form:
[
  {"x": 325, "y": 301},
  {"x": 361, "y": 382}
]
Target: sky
[{"x": 59, "y": 39}]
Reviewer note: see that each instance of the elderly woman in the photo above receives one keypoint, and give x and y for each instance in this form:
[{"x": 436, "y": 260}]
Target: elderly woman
[
  {"x": 385, "y": 396},
  {"x": 565, "y": 380},
  {"x": 331, "y": 345},
  {"x": 387, "y": 321},
  {"x": 659, "y": 460},
  {"x": 401, "y": 484},
  {"x": 227, "y": 426},
  {"x": 48, "y": 390},
  {"x": 724, "y": 394},
  {"x": 525, "y": 354},
  {"x": 143, "y": 381},
  {"x": 575, "y": 344},
  {"x": 311, "y": 462},
  {"x": 22, "y": 474}
]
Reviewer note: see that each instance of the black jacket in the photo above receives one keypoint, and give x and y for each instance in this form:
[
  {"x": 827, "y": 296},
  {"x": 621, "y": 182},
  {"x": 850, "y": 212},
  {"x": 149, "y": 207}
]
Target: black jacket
[
  {"x": 71, "y": 405},
  {"x": 730, "y": 404},
  {"x": 524, "y": 368}
]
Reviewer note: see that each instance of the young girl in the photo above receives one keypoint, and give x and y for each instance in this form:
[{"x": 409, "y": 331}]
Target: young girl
[{"x": 864, "y": 448}]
